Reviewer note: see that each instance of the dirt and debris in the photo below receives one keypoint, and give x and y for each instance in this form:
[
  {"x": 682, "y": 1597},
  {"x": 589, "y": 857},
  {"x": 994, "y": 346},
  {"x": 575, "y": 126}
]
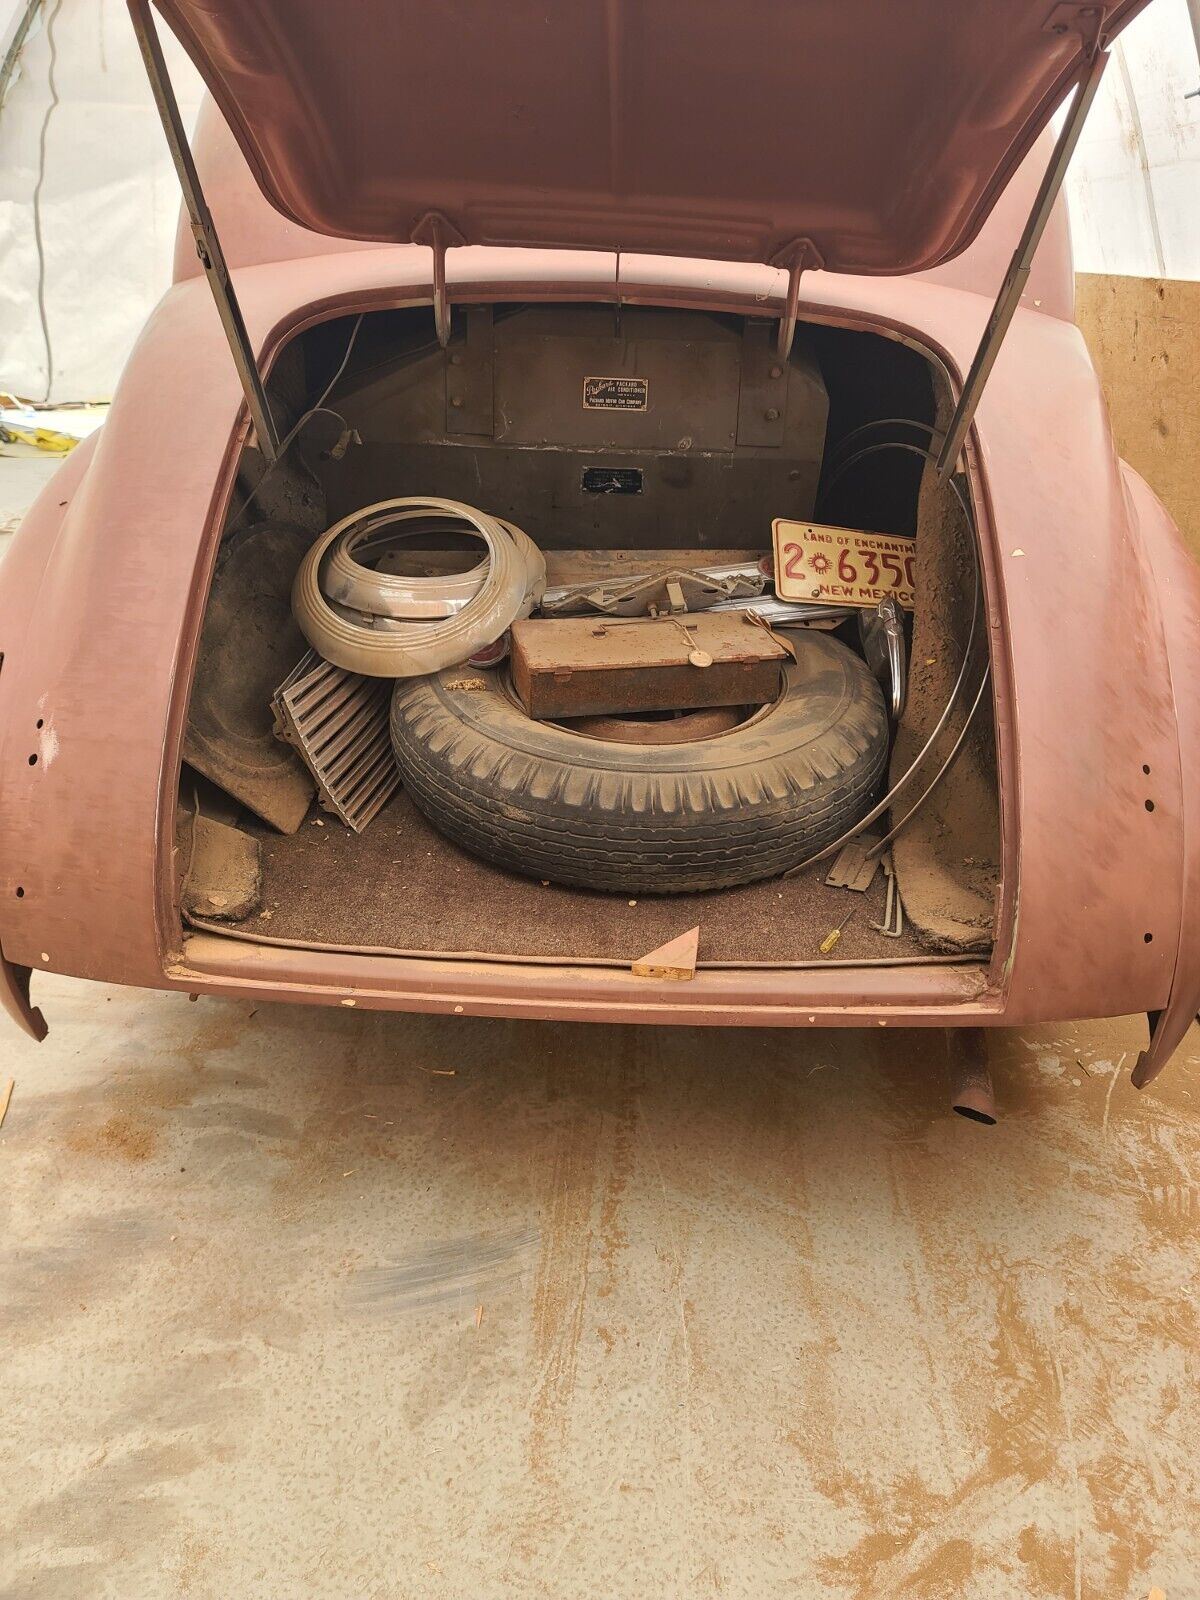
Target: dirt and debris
[
  {"x": 401, "y": 885},
  {"x": 946, "y": 858}
]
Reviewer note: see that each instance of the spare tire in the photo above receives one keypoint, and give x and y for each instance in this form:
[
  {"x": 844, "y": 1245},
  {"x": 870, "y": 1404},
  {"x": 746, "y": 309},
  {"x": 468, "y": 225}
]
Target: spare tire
[{"x": 657, "y": 819}]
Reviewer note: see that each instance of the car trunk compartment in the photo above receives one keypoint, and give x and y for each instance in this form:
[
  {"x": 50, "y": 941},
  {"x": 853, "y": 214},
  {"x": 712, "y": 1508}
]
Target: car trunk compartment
[{"x": 624, "y": 442}]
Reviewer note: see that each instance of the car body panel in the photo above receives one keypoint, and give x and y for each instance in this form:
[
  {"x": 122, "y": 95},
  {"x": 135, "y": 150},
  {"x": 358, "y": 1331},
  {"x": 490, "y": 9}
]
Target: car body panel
[
  {"x": 1086, "y": 679},
  {"x": 136, "y": 541},
  {"x": 863, "y": 135},
  {"x": 253, "y": 233},
  {"x": 1178, "y": 579}
]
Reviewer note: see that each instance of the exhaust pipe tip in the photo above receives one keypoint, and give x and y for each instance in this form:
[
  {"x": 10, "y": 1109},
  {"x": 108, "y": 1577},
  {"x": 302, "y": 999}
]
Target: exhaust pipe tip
[
  {"x": 978, "y": 1105},
  {"x": 971, "y": 1092}
]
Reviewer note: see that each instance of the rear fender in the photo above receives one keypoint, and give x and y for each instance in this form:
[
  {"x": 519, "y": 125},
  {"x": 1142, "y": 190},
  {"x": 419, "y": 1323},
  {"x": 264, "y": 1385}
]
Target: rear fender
[
  {"x": 1178, "y": 580},
  {"x": 24, "y": 566}
]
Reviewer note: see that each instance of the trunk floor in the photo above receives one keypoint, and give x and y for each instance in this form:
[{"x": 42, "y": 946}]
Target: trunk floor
[{"x": 401, "y": 886}]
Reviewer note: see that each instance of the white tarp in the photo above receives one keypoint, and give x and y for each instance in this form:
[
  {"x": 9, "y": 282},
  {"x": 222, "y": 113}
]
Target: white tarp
[
  {"x": 109, "y": 198},
  {"x": 109, "y": 201},
  {"x": 1134, "y": 185}
]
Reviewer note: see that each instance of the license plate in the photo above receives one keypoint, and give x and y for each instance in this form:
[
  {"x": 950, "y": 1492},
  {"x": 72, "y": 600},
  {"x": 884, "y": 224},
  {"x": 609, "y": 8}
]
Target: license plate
[{"x": 841, "y": 566}]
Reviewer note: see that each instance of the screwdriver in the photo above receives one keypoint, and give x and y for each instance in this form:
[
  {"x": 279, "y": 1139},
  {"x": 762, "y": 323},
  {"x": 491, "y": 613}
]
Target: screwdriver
[{"x": 831, "y": 938}]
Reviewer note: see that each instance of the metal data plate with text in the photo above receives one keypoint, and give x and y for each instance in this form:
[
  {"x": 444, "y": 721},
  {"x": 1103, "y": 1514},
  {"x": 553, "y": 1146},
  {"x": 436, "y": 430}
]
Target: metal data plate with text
[
  {"x": 842, "y": 566},
  {"x": 616, "y": 394}
]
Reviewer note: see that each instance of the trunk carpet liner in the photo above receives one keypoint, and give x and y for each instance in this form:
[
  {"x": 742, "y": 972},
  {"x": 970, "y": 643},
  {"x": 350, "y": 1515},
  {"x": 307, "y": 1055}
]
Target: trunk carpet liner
[{"x": 401, "y": 885}]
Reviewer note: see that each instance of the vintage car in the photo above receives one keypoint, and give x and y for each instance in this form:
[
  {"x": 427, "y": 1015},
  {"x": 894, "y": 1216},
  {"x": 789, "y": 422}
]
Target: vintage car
[{"x": 645, "y": 281}]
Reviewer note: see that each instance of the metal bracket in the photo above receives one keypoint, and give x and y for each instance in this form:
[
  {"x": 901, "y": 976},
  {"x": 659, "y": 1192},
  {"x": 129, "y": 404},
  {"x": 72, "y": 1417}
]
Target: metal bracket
[
  {"x": 208, "y": 245},
  {"x": 855, "y": 866},
  {"x": 798, "y": 257},
  {"x": 1082, "y": 17},
  {"x": 440, "y": 234},
  {"x": 1017, "y": 275},
  {"x": 763, "y": 387},
  {"x": 469, "y": 376}
]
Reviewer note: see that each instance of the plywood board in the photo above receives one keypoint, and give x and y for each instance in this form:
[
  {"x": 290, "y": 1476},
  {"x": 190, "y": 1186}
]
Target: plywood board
[{"x": 1144, "y": 335}]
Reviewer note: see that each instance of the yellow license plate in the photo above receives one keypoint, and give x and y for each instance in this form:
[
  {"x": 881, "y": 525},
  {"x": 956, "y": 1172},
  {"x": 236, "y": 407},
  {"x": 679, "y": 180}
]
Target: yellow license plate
[{"x": 841, "y": 566}]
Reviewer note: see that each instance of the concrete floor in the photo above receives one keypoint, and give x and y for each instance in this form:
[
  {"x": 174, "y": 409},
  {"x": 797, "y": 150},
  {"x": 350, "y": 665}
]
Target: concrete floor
[{"x": 318, "y": 1303}]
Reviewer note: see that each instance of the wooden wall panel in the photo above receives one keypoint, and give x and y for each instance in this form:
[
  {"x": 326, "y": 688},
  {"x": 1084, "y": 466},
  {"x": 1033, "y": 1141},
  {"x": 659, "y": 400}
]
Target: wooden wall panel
[{"x": 1144, "y": 335}]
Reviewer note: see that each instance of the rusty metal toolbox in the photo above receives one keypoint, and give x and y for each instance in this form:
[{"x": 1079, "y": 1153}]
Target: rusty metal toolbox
[{"x": 591, "y": 666}]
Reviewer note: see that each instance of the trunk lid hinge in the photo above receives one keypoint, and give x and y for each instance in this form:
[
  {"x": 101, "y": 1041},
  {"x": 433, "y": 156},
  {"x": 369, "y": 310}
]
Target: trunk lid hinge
[
  {"x": 798, "y": 257},
  {"x": 440, "y": 234},
  {"x": 1017, "y": 275},
  {"x": 208, "y": 245},
  {"x": 1081, "y": 17}
]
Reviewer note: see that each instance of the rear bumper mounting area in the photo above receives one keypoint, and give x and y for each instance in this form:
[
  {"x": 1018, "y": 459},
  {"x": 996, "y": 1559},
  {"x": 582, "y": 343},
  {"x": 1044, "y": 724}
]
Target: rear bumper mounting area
[
  {"x": 909, "y": 995},
  {"x": 14, "y": 997}
]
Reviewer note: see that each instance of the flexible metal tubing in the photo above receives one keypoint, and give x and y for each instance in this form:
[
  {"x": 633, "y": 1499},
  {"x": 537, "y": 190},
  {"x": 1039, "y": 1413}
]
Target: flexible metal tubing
[
  {"x": 877, "y": 851},
  {"x": 869, "y": 427}
]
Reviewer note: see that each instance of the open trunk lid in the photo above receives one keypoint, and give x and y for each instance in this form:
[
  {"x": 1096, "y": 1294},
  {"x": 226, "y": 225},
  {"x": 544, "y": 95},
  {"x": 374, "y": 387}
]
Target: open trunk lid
[{"x": 859, "y": 135}]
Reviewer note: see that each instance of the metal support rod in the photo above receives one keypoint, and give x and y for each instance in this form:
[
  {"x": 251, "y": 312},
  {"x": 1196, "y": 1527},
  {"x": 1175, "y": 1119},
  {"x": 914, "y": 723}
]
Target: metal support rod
[
  {"x": 14, "y": 41},
  {"x": 208, "y": 246},
  {"x": 1017, "y": 276}
]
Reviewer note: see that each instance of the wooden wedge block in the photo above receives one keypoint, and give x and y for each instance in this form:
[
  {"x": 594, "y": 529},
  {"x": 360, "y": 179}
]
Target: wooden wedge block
[{"x": 676, "y": 959}]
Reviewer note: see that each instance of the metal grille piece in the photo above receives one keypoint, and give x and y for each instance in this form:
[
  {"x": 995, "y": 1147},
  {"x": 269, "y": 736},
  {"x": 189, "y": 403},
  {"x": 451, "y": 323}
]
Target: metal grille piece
[{"x": 338, "y": 721}]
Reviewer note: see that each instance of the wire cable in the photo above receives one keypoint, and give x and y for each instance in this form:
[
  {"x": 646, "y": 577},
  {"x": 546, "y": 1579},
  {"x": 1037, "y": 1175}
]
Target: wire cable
[
  {"x": 39, "y": 242},
  {"x": 301, "y": 422}
]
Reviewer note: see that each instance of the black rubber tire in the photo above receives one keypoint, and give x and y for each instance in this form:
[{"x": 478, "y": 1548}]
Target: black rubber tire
[{"x": 656, "y": 819}]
